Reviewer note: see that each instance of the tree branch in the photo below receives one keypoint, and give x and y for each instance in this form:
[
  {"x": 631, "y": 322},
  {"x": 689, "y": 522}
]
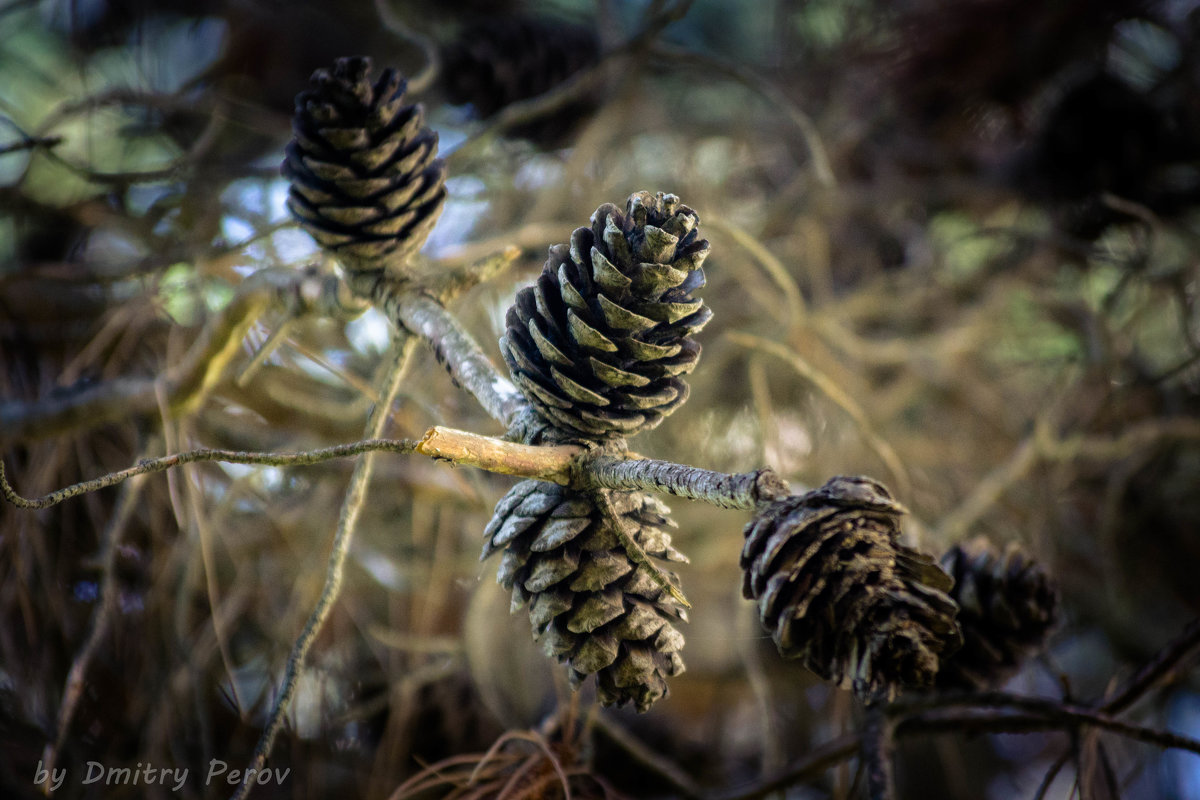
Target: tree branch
[
  {"x": 743, "y": 490},
  {"x": 567, "y": 465},
  {"x": 411, "y": 308},
  {"x": 547, "y": 463}
]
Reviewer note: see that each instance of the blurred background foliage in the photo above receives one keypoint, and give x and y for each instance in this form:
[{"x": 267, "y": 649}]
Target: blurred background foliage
[{"x": 955, "y": 246}]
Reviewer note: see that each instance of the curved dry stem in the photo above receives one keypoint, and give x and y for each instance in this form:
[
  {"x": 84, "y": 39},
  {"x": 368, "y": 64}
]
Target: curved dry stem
[
  {"x": 840, "y": 398},
  {"x": 679, "y": 57},
  {"x": 352, "y": 505},
  {"x": 433, "y": 62}
]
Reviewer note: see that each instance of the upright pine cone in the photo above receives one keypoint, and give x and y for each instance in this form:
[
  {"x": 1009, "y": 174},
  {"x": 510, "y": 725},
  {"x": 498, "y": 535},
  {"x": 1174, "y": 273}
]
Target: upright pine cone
[
  {"x": 836, "y": 589},
  {"x": 590, "y": 605},
  {"x": 502, "y": 60},
  {"x": 1008, "y": 606},
  {"x": 597, "y": 345},
  {"x": 366, "y": 180}
]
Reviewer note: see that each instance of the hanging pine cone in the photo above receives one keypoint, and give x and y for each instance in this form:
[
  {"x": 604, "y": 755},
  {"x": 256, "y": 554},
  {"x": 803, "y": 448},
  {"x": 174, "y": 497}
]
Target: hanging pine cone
[
  {"x": 590, "y": 605},
  {"x": 836, "y": 589},
  {"x": 597, "y": 345},
  {"x": 1008, "y": 606},
  {"x": 366, "y": 182},
  {"x": 499, "y": 61}
]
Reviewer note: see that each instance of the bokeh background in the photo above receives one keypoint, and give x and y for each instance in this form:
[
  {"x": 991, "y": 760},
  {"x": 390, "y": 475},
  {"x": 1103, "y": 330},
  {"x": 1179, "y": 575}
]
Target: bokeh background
[{"x": 955, "y": 247}]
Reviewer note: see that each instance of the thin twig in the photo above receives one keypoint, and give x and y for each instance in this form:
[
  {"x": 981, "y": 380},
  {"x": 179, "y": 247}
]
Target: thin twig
[
  {"x": 741, "y": 490},
  {"x": 813, "y": 763},
  {"x": 352, "y": 506},
  {"x": 566, "y": 92},
  {"x": 1051, "y": 774},
  {"x": 769, "y": 262},
  {"x": 680, "y": 58},
  {"x": 31, "y": 144},
  {"x": 1042, "y": 446},
  {"x": 1054, "y": 716},
  {"x": 567, "y": 465},
  {"x": 203, "y": 454},
  {"x": 549, "y": 463},
  {"x": 429, "y": 72},
  {"x": 453, "y": 346},
  {"x": 102, "y": 619},
  {"x": 877, "y": 747},
  {"x": 641, "y": 753},
  {"x": 1167, "y": 660}
]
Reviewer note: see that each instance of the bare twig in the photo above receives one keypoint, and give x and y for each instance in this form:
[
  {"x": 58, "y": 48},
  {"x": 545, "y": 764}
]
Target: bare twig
[
  {"x": 812, "y": 764},
  {"x": 1042, "y": 446},
  {"x": 424, "y": 79},
  {"x": 551, "y": 463},
  {"x": 742, "y": 490},
  {"x": 769, "y": 262},
  {"x": 204, "y": 454},
  {"x": 352, "y": 506},
  {"x": 1051, "y": 774},
  {"x": 877, "y": 746},
  {"x": 102, "y": 619},
  {"x": 1055, "y": 716},
  {"x": 1167, "y": 660},
  {"x": 666, "y": 769},
  {"x": 31, "y": 144},
  {"x": 567, "y": 465},
  {"x": 569, "y": 90}
]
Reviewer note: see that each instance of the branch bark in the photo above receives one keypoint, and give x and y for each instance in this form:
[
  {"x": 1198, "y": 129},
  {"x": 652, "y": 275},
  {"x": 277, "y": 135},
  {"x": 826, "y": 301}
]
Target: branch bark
[{"x": 411, "y": 308}]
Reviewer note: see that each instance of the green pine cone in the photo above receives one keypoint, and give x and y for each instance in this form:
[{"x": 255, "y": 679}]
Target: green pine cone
[
  {"x": 366, "y": 182},
  {"x": 599, "y": 343}
]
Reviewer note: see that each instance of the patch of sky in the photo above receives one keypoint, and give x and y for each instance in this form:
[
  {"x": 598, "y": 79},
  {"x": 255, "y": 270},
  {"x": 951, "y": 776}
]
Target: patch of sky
[{"x": 370, "y": 333}]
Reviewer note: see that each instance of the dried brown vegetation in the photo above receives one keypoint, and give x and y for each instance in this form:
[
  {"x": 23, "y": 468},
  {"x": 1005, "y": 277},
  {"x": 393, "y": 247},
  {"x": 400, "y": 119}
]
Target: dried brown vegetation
[{"x": 964, "y": 267}]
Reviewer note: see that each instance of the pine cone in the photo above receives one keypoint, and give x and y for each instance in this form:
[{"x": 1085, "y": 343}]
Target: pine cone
[
  {"x": 836, "y": 589},
  {"x": 366, "y": 182},
  {"x": 597, "y": 345},
  {"x": 590, "y": 605},
  {"x": 499, "y": 61},
  {"x": 1008, "y": 606}
]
